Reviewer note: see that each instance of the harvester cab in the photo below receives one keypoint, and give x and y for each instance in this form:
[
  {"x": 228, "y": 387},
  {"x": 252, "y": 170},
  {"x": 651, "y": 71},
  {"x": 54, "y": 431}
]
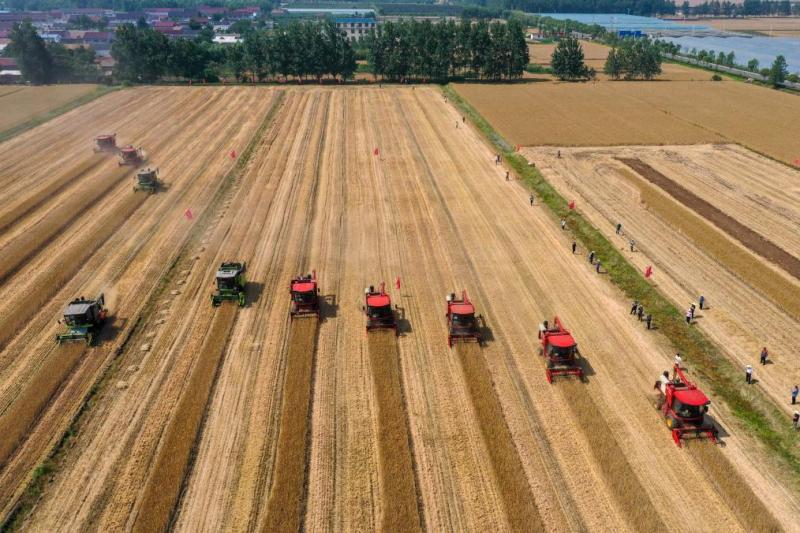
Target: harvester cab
[
  {"x": 105, "y": 143},
  {"x": 230, "y": 284},
  {"x": 129, "y": 155},
  {"x": 684, "y": 407},
  {"x": 305, "y": 295},
  {"x": 84, "y": 319},
  {"x": 147, "y": 180},
  {"x": 462, "y": 325},
  {"x": 559, "y": 350},
  {"x": 378, "y": 308}
]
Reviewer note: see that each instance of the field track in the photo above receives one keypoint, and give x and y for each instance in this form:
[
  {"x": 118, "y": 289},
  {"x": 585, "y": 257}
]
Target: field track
[{"x": 194, "y": 417}]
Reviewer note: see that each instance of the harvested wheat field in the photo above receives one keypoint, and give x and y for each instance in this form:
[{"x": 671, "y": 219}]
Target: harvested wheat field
[
  {"x": 609, "y": 114},
  {"x": 242, "y": 418},
  {"x": 752, "y": 301},
  {"x": 19, "y": 104}
]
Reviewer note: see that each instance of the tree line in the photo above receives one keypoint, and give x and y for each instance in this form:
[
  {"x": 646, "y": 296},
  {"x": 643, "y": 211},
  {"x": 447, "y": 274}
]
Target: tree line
[
  {"x": 628, "y": 59},
  {"x": 42, "y": 62},
  {"x": 632, "y": 7},
  {"x": 746, "y": 8},
  {"x": 408, "y": 49}
]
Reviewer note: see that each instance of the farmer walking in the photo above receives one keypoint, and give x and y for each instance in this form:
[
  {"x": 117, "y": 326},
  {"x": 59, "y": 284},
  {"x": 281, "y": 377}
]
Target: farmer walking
[
  {"x": 591, "y": 257},
  {"x": 497, "y": 159},
  {"x": 701, "y": 301},
  {"x": 640, "y": 312},
  {"x": 678, "y": 360},
  {"x": 748, "y": 374},
  {"x": 688, "y": 316},
  {"x": 795, "y": 390},
  {"x": 648, "y": 320},
  {"x": 619, "y": 227},
  {"x": 563, "y": 224},
  {"x": 632, "y": 244},
  {"x": 764, "y": 355},
  {"x": 692, "y": 308},
  {"x": 634, "y": 305},
  {"x": 506, "y": 175},
  {"x": 532, "y": 199},
  {"x": 574, "y": 246}
]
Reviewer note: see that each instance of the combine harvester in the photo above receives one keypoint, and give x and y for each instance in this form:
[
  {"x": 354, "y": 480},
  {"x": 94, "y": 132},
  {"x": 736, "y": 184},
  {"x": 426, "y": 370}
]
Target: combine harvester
[
  {"x": 305, "y": 296},
  {"x": 230, "y": 284},
  {"x": 559, "y": 350},
  {"x": 131, "y": 156},
  {"x": 684, "y": 407},
  {"x": 147, "y": 180},
  {"x": 84, "y": 320},
  {"x": 105, "y": 143},
  {"x": 378, "y": 308},
  {"x": 462, "y": 325}
]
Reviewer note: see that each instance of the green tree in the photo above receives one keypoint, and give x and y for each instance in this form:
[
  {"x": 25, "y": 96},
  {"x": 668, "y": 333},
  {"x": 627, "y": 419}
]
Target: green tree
[
  {"x": 778, "y": 71},
  {"x": 567, "y": 60},
  {"x": 141, "y": 54},
  {"x": 730, "y": 59},
  {"x": 613, "y": 65},
  {"x": 752, "y": 65},
  {"x": 31, "y": 54},
  {"x": 187, "y": 59}
]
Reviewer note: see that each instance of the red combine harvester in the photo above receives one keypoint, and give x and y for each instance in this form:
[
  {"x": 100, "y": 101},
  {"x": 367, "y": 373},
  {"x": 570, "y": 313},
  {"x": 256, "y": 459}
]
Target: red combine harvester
[
  {"x": 461, "y": 322},
  {"x": 684, "y": 407},
  {"x": 305, "y": 295},
  {"x": 378, "y": 308},
  {"x": 105, "y": 143},
  {"x": 129, "y": 155},
  {"x": 559, "y": 350}
]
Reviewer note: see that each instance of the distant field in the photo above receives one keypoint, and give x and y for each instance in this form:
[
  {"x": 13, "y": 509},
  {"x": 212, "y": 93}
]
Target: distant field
[
  {"x": 607, "y": 114},
  {"x": 595, "y": 56},
  {"x": 776, "y": 26},
  {"x": 20, "y": 103}
]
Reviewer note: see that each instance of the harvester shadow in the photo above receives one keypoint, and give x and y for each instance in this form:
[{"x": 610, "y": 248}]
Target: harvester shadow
[
  {"x": 253, "y": 290},
  {"x": 586, "y": 367},
  {"x": 485, "y": 331},
  {"x": 721, "y": 433},
  {"x": 328, "y": 307},
  {"x": 111, "y": 330},
  {"x": 403, "y": 324}
]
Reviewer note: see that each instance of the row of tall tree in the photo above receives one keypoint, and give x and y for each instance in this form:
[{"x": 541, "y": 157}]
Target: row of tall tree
[
  {"x": 301, "y": 50},
  {"x": 42, "y": 62},
  {"x": 632, "y": 7},
  {"x": 634, "y": 59},
  {"x": 408, "y": 49},
  {"x": 745, "y": 8}
]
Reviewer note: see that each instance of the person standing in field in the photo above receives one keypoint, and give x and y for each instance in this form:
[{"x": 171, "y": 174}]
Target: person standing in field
[
  {"x": 688, "y": 316},
  {"x": 506, "y": 175},
  {"x": 678, "y": 360},
  {"x": 632, "y": 243},
  {"x": 764, "y": 355},
  {"x": 640, "y": 312},
  {"x": 795, "y": 391},
  {"x": 597, "y": 267},
  {"x": 559, "y": 154},
  {"x": 497, "y": 159},
  {"x": 748, "y": 374},
  {"x": 796, "y": 420},
  {"x": 563, "y": 224},
  {"x": 648, "y": 320},
  {"x": 533, "y": 200},
  {"x": 701, "y": 301},
  {"x": 591, "y": 257},
  {"x": 619, "y": 227},
  {"x": 692, "y": 308},
  {"x": 574, "y": 246},
  {"x": 634, "y": 305}
]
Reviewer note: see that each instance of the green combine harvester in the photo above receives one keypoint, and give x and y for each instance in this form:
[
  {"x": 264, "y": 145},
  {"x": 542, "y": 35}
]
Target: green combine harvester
[
  {"x": 147, "y": 180},
  {"x": 230, "y": 284},
  {"x": 84, "y": 320}
]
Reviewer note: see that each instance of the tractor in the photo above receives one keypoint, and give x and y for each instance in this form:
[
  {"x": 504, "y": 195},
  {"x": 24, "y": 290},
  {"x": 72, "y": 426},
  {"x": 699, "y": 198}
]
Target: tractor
[
  {"x": 147, "y": 180},
  {"x": 462, "y": 325},
  {"x": 230, "y": 284},
  {"x": 378, "y": 308},
  {"x": 84, "y": 320},
  {"x": 305, "y": 295},
  {"x": 559, "y": 350},
  {"x": 684, "y": 407},
  {"x": 131, "y": 156},
  {"x": 105, "y": 143}
]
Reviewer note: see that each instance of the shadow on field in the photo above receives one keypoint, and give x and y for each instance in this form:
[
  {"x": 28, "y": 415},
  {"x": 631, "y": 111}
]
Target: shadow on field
[
  {"x": 403, "y": 324},
  {"x": 253, "y": 290},
  {"x": 328, "y": 306},
  {"x": 111, "y": 330}
]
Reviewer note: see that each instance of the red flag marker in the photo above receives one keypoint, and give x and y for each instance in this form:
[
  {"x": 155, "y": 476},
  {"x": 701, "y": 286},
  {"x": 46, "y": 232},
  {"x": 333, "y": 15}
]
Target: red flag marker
[
  {"x": 797, "y": 162},
  {"x": 648, "y": 271},
  {"x": 188, "y": 214},
  {"x": 571, "y": 204},
  {"x": 233, "y": 154},
  {"x": 397, "y": 283},
  {"x": 376, "y": 152}
]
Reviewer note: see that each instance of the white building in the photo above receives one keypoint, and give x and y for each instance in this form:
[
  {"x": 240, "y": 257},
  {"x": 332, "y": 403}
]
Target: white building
[{"x": 356, "y": 28}]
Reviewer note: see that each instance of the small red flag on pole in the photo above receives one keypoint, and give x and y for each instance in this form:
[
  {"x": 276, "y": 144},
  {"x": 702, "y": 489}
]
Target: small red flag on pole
[
  {"x": 571, "y": 204},
  {"x": 797, "y": 162},
  {"x": 397, "y": 283},
  {"x": 233, "y": 154},
  {"x": 648, "y": 271},
  {"x": 376, "y": 152},
  {"x": 188, "y": 214}
]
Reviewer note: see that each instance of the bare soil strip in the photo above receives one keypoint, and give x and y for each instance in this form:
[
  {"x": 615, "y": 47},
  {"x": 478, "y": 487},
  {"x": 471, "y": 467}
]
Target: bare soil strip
[
  {"x": 749, "y": 238},
  {"x": 521, "y": 510},
  {"x": 398, "y": 489},
  {"x": 286, "y": 504},
  {"x": 734, "y": 489},
  {"x": 38, "y": 197},
  {"x": 163, "y": 486},
  {"x": 18, "y": 419},
  {"x": 50, "y": 226}
]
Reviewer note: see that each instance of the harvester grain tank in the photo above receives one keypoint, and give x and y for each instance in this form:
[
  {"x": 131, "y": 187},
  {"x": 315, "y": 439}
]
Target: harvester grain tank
[
  {"x": 305, "y": 296},
  {"x": 105, "y": 143},
  {"x": 128, "y": 155},
  {"x": 378, "y": 308},
  {"x": 462, "y": 324},
  {"x": 146, "y": 180},
  {"x": 83, "y": 319},
  {"x": 684, "y": 407},
  {"x": 559, "y": 349},
  {"x": 230, "y": 284}
]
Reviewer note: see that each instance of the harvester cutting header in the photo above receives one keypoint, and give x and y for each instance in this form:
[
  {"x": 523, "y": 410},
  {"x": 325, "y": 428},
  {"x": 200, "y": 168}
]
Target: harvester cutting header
[
  {"x": 559, "y": 350},
  {"x": 305, "y": 295},
  {"x": 84, "y": 320},
  {"x": 378, "y": 308},
  {"x": 462, "y": 325},
  {"x": 128, "y": 155},
  {"x": 684, "y": 407}
]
